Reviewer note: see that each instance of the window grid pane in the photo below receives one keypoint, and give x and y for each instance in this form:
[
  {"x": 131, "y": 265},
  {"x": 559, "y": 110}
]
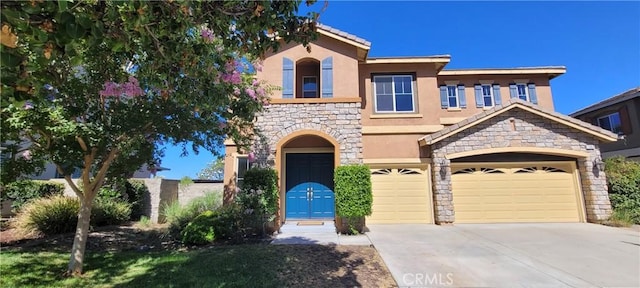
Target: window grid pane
[
  {"x": 486, "y": 95},
  {"x": 394, "y": 93},
  {"x": 522, "y": 92},
  {"x": 452, "y": 93}
]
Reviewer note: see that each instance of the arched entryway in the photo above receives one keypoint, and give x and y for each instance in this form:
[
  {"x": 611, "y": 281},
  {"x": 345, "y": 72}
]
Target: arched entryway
[{"x": 306, "y": 163}]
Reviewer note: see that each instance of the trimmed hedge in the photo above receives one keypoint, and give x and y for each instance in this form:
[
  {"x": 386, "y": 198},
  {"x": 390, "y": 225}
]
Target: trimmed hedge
[
  {"x": 23, "y": 191},
  {"x": 265, "y": 180},
  {"x": 623, "y": 181},
  {"x": 353, "y": 193}
]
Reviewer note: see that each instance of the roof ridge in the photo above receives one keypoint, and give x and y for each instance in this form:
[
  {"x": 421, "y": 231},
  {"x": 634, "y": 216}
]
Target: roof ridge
[
  {"x": 343, "y": 34},
  {"x": 613, "y": 99}
]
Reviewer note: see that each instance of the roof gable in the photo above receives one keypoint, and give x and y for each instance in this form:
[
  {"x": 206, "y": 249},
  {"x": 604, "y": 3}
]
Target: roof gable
[
  {"x": 624, "y": 96},
  {"x": 602, "y": 134}
]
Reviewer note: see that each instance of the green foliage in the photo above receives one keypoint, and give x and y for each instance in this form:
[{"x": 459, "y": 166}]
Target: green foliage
[
  {"x": 59, "y": 214},
  {"x": 144, "y": 222},
  {"x": 21, "y": 192},
  {"x": 110, "y": 212},
  {"x": 353, "y": 191},
  {"x": 179, "y": 216},
  {"x": 623, "y": 180},
  {"x": 201, "y": 230},
  {"x": 259, "y": 198},
  {"x": 354, "y": 197},
  {"x": 129, "y": 191},
  {"x": 228, "y": 224},
  {"x": 213, "y": 171},
  {"x": 50, "y": 215}
]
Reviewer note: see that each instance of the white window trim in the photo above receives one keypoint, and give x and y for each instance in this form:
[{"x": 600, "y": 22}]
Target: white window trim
[
  {"x": 457, "y": 96},
  {"x": 526, "y": 90},
  {"x": 490, "y": 94},
  {"x": 314, "y": 91},
  {"x": 611, "y": 122},
  {"x": 393, "y": 93}
]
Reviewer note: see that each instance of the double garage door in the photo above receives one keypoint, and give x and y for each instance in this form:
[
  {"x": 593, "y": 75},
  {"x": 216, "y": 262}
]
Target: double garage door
[
  {"x": 482, "y": 193},
  {"x": 517, "y": 192}
]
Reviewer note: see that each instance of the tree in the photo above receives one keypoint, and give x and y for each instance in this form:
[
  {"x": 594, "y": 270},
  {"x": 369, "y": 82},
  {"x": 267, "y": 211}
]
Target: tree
[
  {"x": 213, "y": 171},
  {"x": 101, "y": 85}
]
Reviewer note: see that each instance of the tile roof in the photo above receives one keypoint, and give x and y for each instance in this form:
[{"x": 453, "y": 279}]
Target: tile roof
[
  {"x": 343, "y": 34},
  {"x": 433, "y": 138},
  {"x": 629, "y": 94}
]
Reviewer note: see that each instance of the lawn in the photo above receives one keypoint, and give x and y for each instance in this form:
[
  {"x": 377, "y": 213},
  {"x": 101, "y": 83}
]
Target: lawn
[{"x": 249, "y": 265}]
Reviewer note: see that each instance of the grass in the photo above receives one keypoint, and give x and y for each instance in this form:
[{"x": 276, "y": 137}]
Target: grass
[{"x": 256, "y": 265}]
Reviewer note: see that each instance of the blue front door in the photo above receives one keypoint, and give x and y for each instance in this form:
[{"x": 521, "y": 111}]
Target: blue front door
[{"x": 309, "y": 184}]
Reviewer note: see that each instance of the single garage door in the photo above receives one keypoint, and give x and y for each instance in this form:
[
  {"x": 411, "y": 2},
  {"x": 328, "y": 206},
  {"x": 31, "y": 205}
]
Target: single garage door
[
  {"x": 516, "y": 192},
  {"x": 400, "y": 195}
]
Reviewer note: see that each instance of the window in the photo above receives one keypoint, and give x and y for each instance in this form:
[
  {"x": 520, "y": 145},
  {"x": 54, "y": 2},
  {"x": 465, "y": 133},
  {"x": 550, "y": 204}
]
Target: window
[
  {"x": 393, "y": 93},
  {"x": 487, "y": 95},
  {"x": 309, "y": 87},
  {"x": 522, "y": 92},
  {"x": 452, "y": 96},
  {"x": 611, "y": 122},
  {"x": 243, "y": 165}
]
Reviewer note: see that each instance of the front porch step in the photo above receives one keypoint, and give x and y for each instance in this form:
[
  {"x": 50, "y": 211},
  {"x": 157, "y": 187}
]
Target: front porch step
[{"x": 306, "y": 226}]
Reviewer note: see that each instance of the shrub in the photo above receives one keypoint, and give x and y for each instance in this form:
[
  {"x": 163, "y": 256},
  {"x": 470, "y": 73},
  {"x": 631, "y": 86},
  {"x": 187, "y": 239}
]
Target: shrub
[
  {"x": 353, "y": 193},
  {"x": 623, "y": 180},
  {"x": 110, "y": 212},
  {"x": 130, "y": 191},
  {"x": 229, "y": 222},
  {"x": 21, "y": 192},
  {"x": 59, "y": 214},
  {"x": 201, "y": 230},
  {"x": 51, "y": 215},
  {"x": 265, "y": 180},
  {"x": 136, "y": 192},
  {"x": 179, "y": 216}
]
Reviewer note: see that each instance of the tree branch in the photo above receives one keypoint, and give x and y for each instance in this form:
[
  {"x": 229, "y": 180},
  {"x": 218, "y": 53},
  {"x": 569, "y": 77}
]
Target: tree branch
[
  {"x": 73, "y": 186},
  {"x": 99, "y": 178},
  {"x": 155, "y": 40},
  {"x": 82, "y": 144}
]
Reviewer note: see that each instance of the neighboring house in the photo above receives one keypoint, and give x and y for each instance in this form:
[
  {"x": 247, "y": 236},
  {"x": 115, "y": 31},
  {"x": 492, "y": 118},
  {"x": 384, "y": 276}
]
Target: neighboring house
[
  {"x": 619, "y": 114},
  {"x": 444, "y": 146},
  {"x": 50, "y": 172}
]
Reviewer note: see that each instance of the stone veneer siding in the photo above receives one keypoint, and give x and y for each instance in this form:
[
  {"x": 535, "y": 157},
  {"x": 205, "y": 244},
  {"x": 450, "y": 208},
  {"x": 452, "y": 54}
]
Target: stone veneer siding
[
  {"x": 342, "y": 121},
  {"x": 530, "y": 130}
]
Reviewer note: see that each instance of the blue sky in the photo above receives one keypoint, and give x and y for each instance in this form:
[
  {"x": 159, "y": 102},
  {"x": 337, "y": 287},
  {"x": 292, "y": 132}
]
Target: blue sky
[{"x": 598, "y": 42}]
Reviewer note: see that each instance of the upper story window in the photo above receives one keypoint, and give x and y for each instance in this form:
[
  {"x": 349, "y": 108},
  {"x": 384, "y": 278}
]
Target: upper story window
[
  {"x": 522, "y": 92},
  {"x": 525, "y": 92},
  {"x": 307, "y": 78},
  {"x": 487, "y": 95},
  {"x": 309, "y": 86},
  {"x": 611, "y": 122},
  {"x": 393, "y": 93},
  {"x": 452, "y": 96}
]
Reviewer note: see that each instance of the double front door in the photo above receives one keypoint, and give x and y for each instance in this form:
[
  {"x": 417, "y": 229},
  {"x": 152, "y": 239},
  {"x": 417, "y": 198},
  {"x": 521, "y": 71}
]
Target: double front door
[{"x": 309, "y": 186}]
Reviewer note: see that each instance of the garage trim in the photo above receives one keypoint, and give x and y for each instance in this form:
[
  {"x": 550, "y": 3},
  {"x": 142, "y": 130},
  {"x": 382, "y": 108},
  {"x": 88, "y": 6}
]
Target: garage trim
[{"x": 534, "y": 150}]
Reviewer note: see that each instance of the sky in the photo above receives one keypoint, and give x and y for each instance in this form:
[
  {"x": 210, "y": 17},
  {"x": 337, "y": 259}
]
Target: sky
[{"x": 598, "y": 43}]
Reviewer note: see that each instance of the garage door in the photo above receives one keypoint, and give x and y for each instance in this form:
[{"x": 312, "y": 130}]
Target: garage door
[
  {"x": 400, "y": 195},
  {"x": 517, "y": 192}
]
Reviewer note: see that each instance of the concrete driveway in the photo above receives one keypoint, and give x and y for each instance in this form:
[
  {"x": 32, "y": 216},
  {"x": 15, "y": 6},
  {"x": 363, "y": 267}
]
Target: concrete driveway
[{"x": 509, "y": 255}]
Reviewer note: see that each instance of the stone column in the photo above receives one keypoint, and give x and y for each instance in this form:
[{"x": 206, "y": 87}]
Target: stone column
[
  {"x": 594, "y": 188},
  {"x": 442, "y": 196}
]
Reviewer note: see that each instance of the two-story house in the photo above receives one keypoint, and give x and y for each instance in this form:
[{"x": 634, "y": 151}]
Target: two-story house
[
  {"x": 444, "y": 146},
  {"x": 619, "y": 114}
]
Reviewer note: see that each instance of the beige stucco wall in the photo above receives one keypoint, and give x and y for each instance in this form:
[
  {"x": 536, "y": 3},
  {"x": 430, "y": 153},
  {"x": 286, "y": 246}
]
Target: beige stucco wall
[
  {"x": 187, "y": 192},
  {"x": 391, "y": 146},
  {"x": 345, "y": 65}
]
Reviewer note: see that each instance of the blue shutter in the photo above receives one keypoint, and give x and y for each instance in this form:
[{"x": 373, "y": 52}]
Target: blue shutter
[
  {"x": 444, "y": 100},
  {"x": 327, "y": 77},
  {"x": 497, "y": 99},
  {"x": 461, "y": 97},
  {"x": 479, "y": 100},
  {"x": 513, "y": 90},
  {"x": 287, "y": 78},
  {"x": 532, "y": 93}
]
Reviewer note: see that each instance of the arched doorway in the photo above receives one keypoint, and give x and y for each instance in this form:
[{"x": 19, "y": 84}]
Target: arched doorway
[{"x": 307, "y": 162}]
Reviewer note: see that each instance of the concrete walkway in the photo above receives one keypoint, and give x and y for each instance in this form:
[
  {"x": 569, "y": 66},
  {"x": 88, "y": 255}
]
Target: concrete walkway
[
  {"x": 325, "y": 234},
  {"x": 509, "y": 255}
]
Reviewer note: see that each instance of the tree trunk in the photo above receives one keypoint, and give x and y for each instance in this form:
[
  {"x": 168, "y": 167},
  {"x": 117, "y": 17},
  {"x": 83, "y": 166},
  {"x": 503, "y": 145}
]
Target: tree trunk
[{"x": 80, "y": 240}]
